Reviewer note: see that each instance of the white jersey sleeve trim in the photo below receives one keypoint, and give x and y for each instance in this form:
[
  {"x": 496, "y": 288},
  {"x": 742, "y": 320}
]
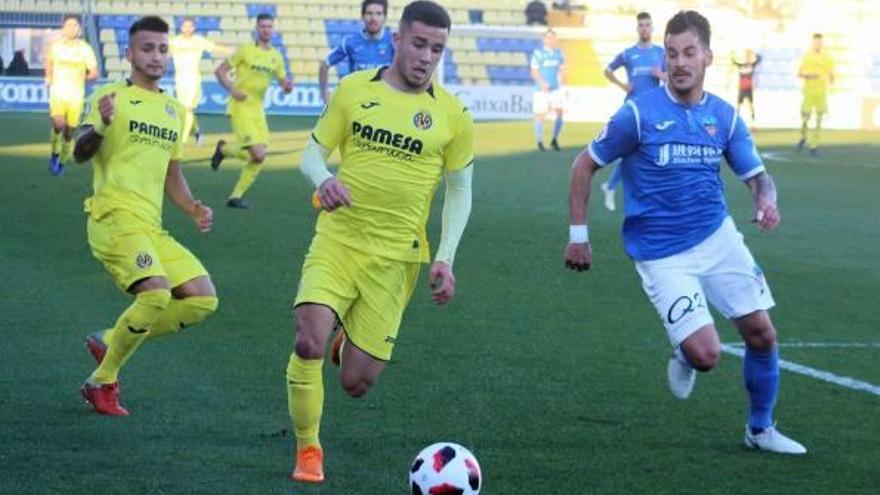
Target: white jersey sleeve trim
[
  {"x": 732, "y": 125},
  {"x": 600, "y": 162},
  {"x": 635, "y": 110},
  {"x": 751, "y": 173}
]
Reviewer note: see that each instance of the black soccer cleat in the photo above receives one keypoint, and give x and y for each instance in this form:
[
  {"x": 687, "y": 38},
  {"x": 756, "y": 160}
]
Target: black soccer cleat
[
  {"x": 555, "y": 145},
  {"x": 218, "y": 155},
  {"x": 239, "y": 203},
  {"x": 541, "y": 146}
]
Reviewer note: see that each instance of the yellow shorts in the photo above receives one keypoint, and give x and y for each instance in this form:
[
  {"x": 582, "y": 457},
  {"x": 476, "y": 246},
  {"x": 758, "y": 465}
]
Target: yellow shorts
[
  {"x": 131, "y": 250},
  {"x": 71, "y": 110},
  {"x": 250, "y": 128},
  {"x": 367, "y": 292},
  {"x": 817, "y": 102}
]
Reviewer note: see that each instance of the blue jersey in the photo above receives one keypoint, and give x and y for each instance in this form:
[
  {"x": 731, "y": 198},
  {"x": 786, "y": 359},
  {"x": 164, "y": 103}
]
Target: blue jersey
[
  {"x": 640, "y": 64},
  {"x": 671, "y": 163},
  {"x": 548, "y": 63},
  {"x": 363, "y": 52}
]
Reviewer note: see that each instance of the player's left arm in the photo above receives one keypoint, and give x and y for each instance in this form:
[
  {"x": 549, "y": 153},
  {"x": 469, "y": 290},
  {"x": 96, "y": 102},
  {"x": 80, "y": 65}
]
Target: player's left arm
[
  {"x": 458, "y": 163},
  {"x": 177, "y": 190},
  {"x": 743, "y": 158},
  {"x": 91, "y": 65}
]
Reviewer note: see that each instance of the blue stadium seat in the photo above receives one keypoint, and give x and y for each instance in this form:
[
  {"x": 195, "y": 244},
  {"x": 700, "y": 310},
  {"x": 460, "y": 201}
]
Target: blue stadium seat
[{"x": 254, "y": 9}]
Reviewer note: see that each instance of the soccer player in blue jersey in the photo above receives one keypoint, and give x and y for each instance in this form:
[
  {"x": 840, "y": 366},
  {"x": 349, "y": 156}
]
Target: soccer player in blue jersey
[
  {"x": 685, "y": 245},
  {"x": 548, "y": 71},
  {"x": 372, "y": 48},
  {"x": 645, "y": 70}
]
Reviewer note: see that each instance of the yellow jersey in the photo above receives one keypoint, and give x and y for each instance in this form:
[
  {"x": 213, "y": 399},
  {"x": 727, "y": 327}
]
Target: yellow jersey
[
  {"x": 254, "y": 69},
  {"x": 187, "y": 54},
  {"x": 394, "y": 148},
  {"x": 71, "y": 60},
  {"x": 816, "y": 64},
  {"x": 131, "y": 164}
]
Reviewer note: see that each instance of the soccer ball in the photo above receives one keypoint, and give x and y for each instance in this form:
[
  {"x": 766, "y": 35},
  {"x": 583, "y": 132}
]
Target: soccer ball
[{"x": 445, "y": 469}]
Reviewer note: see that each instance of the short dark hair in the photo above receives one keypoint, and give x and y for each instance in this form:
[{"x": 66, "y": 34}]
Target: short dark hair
[
  {"x": 68, "y": 17},
  {"x": 426, "y": 12},
  {"x": 817, "y": 36},
  {"x": 188, "y": 18},
  {"x": 265, "y": 16},
  {"x": 381, "y": 3},
  {"x": 150, "y": 23},
  {"x": 643, "y": 15},
  {"x": 689, "y": 20}
]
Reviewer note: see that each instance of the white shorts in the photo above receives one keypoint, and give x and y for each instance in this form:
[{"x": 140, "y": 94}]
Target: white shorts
[
  {"x": 544, "y": 102},
  {"x": 719, "y": 270}
]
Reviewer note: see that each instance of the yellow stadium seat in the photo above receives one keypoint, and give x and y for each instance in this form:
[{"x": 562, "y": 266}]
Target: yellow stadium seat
[
  {"x": 107, "y": 35},
  {"x": 178, "y": 8},
  {"x": 111, "y": 50}
]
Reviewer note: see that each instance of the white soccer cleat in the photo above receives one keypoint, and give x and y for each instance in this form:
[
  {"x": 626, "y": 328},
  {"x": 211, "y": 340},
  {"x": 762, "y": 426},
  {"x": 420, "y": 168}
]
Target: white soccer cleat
[
  {"x": 609, "y": 197},
  {"x": 772, "y": 440},
  {"x": 681, "y": 378}
]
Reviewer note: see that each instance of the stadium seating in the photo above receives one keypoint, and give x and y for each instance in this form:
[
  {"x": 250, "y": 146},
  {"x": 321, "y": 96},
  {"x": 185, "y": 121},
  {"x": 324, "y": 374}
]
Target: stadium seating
[{"x": 490, "y": 48}]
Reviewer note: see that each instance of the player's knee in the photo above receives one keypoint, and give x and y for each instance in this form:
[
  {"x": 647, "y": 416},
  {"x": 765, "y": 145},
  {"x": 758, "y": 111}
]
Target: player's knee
[
  {"x": 156, "y": 298},
  {"x": 258, "y": 156},
  {"x": 355, "y": 386},
  {"x": 308, "y": 344},
  {"x": 199, "y": 308},
  {"x": 58, "y": 127},
  {"x": 705, "y": 359}
]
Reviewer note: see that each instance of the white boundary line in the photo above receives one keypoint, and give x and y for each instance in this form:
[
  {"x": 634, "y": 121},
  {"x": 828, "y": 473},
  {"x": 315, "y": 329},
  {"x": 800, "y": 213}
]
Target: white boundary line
[
  {"x": 843, "y": 381},
  {"x": 823, "y": 345}
]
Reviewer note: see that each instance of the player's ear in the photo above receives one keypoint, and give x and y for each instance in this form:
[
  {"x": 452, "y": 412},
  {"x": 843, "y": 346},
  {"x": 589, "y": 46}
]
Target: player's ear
[
  {"x": 709, "y": 57},
  {"x": 128, "y": 52}
]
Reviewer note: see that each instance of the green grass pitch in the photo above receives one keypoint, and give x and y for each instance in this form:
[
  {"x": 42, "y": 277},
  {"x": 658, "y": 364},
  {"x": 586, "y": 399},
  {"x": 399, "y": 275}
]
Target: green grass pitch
[{"x": 555, "y": 380}]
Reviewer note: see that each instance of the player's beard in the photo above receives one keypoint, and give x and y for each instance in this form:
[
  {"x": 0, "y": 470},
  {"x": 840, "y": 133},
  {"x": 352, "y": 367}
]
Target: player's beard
[
  {"x": 410, "y": 77},
  {"x": 152, "y": 74}
]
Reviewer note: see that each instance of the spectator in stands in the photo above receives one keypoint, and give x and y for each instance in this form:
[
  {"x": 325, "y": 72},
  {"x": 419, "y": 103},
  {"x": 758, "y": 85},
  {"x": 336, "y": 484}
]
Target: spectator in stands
[
  {"x": 369, "y": 49},
  {"x": 18, "y": 66},
  {"x": 536, "y": 13}
]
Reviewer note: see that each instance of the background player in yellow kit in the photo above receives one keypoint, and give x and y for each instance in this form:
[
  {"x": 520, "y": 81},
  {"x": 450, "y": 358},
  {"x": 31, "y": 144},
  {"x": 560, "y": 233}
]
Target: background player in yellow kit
[
  {"x": 70, "y": 61},
  {"x": 398, "y": 135},
  {"x": 187, "y": 49},
  {"x": 132, "y": 133},
  {"x": 255, "y": 64},
  {"x": 817, "y": 71}
]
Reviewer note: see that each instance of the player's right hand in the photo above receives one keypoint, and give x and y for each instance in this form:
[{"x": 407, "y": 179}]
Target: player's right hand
[
  {"x": 578, "y": 256},
  {"x": 107, "y": 108},
  {"x": 238, "y": 95},
  {"x": 333, "y": 194}
]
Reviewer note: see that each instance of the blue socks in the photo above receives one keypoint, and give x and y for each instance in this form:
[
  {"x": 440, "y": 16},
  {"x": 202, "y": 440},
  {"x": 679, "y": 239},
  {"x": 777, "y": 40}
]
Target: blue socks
[
  {"x": 761, "y": 373},
  {"x": 539, "y": 131},
  {"x": 557, "y": 127},
  {"x": 615, "y": 178}
]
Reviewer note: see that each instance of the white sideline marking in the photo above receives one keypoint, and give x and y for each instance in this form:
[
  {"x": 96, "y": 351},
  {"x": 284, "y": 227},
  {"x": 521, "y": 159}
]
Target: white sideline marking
[
  {"x": 843, "y": 381},
  {"x": 824, "y": 345},
  {"x": 779, "y": 156}
]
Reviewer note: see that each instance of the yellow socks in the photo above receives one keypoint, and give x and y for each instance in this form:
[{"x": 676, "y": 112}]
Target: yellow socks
[
  {"x": 188, "y": 120},
  {"x": 233, "y": 151},
  {"x": 182, "y": 313},
  {"x": 248, "y": 175},
  {"x": 129, "y": 332},
  {"x": 814, "y": 139},
  {"x": 57, "y": 142},
  {"x": 66, "y": 150},
  {"x": 305, "y": 398}
]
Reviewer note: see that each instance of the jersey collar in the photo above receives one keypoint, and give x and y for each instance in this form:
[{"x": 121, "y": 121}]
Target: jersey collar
[
  {"x": 378, "y": 78},
  {"x": 673, "y": 99}
]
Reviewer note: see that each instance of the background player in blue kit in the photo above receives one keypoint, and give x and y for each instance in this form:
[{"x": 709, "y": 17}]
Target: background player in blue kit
[
  {"x": 645, "y": 70},
  {"x": 686, "y": 247},
  {"x": 548, "y": 71},
  {"x": 370, "y": 49}
]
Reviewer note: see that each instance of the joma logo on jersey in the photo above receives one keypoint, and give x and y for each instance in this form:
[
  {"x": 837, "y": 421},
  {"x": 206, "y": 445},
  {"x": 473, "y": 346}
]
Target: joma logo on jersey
[
  {"x": 386, "y": 137},
  {"x": 152, "y": 130},
  {"x": 687, "y": 153}
]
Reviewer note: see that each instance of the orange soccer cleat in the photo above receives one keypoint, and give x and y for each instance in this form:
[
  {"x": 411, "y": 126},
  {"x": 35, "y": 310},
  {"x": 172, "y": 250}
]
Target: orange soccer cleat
[
  {"x": 104, "y": 398},
  {"x": 336, "y": 348},
  {"x": 309, "y": 465}
]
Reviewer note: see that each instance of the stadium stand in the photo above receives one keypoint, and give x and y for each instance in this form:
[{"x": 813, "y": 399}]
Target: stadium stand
[{"x": 490, "y": 48}]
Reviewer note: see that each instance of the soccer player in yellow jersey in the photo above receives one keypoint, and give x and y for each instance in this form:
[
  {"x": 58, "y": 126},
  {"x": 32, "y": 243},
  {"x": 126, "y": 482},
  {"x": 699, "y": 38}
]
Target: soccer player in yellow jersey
[
  {"x": 255, "y": 65},
  {"x": 133, "y": 132},
  {"x": 186, "y": 50},
  {"x": 70, "y": 61},
  {"x": 817, "y": 71},
  {"x": 398, "y": 135}
]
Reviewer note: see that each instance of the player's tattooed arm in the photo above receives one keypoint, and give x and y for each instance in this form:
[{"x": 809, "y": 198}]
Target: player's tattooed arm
[
  {"x": 763, "y": 191},
  {"x": 87, "y": 143}
]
